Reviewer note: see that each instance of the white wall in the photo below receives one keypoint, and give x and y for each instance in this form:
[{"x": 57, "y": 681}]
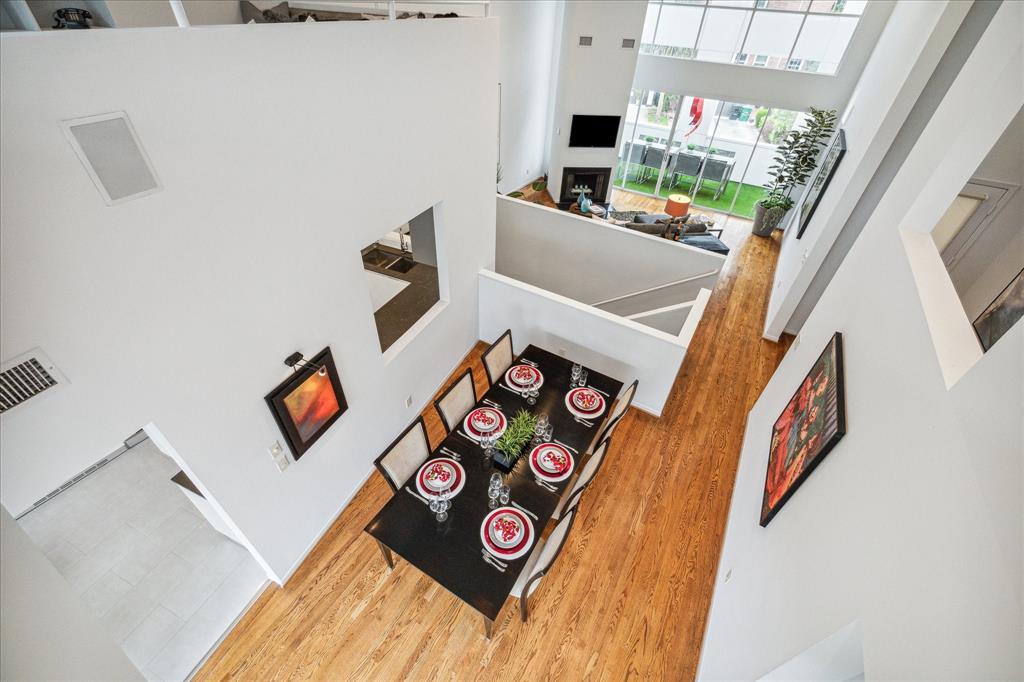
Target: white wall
[
  {"x": 907, "y": 53},
  {"x": 612, "y": 345},
  {"x": 528, "y": 44},
  {"x": 592, "y": 80},
  {"x": 46, "y": 630},
  {"x": 914, "y": 523},
  {"x": 179, "y": 308},
  {"x": 592, "y": 260},
  {"x": 769, "y": 87}
]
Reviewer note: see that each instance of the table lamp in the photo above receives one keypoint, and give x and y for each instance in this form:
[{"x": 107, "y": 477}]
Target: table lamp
[{"x": 677, "y": 205}]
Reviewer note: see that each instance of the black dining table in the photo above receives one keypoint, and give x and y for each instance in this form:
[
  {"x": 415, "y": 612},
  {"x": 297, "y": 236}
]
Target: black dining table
[{"x": 450, "y": 552}]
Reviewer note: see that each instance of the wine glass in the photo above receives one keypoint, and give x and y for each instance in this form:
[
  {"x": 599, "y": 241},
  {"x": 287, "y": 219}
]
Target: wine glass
[
  {"x": 538, "y": 429},
  {"x": 529, "y": 393},
  {"x": 576, "y": 369},
  {"x": 503, "y": 494},
  {"x": 549, "y": 433},
  {"x": 583, "y": 377}
]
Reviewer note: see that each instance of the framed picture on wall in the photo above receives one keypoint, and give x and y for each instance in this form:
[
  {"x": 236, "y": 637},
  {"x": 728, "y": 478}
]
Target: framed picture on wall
[
  {"x": 307, "y": 403},
  {"x": 813, "y": 421},
  {"x": 819, "y": 184}
]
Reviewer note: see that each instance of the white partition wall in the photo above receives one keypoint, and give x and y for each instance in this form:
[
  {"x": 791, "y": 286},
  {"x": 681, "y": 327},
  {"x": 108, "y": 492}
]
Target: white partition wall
[
  {"x": 179, "y": 308},
  {"x": 598, "y": 263},
  {"x": 613, "y": 345}
]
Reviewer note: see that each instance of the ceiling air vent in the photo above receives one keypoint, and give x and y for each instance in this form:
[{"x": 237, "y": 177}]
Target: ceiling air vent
[
  {"x": 586, "y": 41},
  {"x": 26, "y": 377},
  {"x": 628, "y": 43}
]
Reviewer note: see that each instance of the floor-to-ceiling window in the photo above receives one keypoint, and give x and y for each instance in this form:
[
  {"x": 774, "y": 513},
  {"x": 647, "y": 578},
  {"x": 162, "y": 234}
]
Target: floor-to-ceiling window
[{"x": 718, "y": 152}]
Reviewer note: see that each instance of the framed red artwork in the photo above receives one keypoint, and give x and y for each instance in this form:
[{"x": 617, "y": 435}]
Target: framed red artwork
[{"x": 813, "y": 421}]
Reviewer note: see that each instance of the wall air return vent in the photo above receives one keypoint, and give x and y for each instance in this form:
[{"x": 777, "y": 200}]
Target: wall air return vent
[
  {"x": 25, "y": 377},
  {"x": 586, "y": 41},
  {"x": 109, "y": 148},
  {"x": 628, "y": 43}
]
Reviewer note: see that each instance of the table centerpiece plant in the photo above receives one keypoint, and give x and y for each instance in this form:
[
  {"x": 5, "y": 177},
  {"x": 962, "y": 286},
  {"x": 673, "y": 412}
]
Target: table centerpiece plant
[{"x": 519, "y": 432}]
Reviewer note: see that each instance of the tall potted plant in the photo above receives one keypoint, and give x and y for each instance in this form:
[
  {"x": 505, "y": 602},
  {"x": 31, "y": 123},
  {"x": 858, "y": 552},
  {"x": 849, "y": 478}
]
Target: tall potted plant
[{"x": 794, "y": 160}]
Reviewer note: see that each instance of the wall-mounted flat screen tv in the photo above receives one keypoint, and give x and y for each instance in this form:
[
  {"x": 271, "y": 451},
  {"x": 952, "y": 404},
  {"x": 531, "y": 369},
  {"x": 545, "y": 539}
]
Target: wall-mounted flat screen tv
[{"x": 593, "y": 131}]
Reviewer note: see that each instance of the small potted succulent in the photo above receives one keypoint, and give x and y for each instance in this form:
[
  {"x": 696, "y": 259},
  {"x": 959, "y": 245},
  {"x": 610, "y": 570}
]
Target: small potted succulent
[{"x": 794, "y": 161}]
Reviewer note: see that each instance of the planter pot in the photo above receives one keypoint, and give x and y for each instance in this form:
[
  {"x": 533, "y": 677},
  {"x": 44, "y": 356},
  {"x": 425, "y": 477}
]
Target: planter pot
[{"x": 767, "y": 219}]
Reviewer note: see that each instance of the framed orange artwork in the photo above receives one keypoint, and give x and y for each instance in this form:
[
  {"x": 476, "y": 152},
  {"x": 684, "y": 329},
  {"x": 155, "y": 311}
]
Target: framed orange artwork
[{"x": 307, "y": 403}]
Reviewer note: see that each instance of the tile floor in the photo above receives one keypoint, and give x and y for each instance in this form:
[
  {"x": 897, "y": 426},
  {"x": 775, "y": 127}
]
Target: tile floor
[{"x": 160, "y": 579}]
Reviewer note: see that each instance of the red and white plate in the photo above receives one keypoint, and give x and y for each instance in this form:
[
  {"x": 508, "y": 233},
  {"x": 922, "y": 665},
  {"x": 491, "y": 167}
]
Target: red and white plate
[
  {"x": 522, "y": 544},
  {"x": 551, "y": 462},
  {"x": 506, "y": 530},
  {"x": 520, "y": 376},
  {"x": 484, "y": 421},
  {"x": 437, "y": 473},
  {"x": 585, "y": 403}
]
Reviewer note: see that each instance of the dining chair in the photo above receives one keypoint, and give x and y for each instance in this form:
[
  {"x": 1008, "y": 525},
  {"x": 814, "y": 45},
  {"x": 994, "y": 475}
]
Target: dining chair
[
  {"x": 635, "y": 158},
  {"x": 541, "y": 560},
  {"x": 498, "y": 358},
  {"x": 715, "y": 170},
  {"x": 404, "y": 456},
  {"x": 652, "y": 160},
  {"x": 571, "y": 497},
  {"x": 457, "y": 400},
  {"x": 618, "y": 409},
  {"x": 686, "y": 163}
]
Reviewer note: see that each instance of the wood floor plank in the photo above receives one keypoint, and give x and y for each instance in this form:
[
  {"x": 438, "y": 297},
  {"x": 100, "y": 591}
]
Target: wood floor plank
[{"x": 628, "y": 598}]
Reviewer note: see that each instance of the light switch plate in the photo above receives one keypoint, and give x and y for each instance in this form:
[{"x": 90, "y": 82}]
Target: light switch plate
[
  {"x": 408, "y": 401},
  {"x": 280, "y": 459}
]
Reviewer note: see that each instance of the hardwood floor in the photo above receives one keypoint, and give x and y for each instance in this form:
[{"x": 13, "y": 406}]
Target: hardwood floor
[{"x": 629, "y": 596}]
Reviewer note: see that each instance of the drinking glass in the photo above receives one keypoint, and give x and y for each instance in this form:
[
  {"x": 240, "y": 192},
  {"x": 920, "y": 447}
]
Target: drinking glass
[
  {"x": 435, "y": 504},
  {"x": 549, "y": 433},
  {"x": 496, "y": 481},
  {"x": 576, "y": 369},
  {"x": 444, "y": 504},
  {"x": 504, "y": 493},
  {"x": 583, "y": 377}
]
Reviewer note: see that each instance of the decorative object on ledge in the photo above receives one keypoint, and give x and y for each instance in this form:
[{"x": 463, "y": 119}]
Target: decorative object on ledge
[
  {"x": 519, "y": 433},
  {"x": 1002, "y": 313},
  {"x": 308, "y": 402},
  {"x": 813, "y": 421},
  {"x": 819, "y": 184}
]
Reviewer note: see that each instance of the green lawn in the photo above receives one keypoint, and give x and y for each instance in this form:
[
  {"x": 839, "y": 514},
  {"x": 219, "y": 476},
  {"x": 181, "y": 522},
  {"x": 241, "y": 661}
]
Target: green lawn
[{"x": 705, "y": 198}]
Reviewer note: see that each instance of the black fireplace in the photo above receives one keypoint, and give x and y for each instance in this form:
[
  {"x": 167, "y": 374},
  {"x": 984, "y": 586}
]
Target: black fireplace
[{"x": 594, "y": 181}]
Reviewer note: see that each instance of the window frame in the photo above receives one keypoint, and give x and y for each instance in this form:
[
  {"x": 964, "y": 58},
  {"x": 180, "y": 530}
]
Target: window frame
[{"x": 704, "y": 5}]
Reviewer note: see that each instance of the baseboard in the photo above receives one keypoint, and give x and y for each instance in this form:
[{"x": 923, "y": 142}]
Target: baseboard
[{"x": 644, "y": 408}]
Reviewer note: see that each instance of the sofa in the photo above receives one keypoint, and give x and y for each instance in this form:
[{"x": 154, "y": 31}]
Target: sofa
[{"x": 691, "y": 229}]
